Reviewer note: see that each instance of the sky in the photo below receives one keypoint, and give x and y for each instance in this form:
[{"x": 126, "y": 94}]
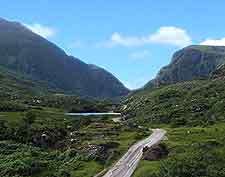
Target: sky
[{"x": 132, "y": 39}]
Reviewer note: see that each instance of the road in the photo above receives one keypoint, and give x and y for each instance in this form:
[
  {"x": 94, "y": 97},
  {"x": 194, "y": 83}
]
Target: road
[{"x": 126, "y": 166}]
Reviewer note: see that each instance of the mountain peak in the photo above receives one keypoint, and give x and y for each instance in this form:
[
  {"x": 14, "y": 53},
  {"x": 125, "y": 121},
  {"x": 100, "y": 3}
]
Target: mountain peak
[
  {"x": 189, "y": 63},
  {"x": 29, "y": 54}
]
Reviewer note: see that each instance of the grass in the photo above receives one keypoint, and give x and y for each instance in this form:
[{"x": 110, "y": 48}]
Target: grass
[
  {"x": 184, "y": 143},
  {"x": 193, "y": 114},
  {"x": 147, "y": 169},
  {"x": 53, "y": 144},
  {"x": 184, "y": 104},
  {"x": 88, "y": 170},
  {"x": 99, "y": 142}
]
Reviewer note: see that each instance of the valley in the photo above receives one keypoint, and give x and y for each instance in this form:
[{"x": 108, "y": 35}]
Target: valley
[{"x": 62, "y": 117}]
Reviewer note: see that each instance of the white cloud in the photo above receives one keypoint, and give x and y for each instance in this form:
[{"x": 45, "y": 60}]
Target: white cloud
[
  {"x": 139, "y": 54},
  {"x": 214, "y": 42},
  {"x": 41, "y": 30},
  {"x": 117, "y": 39},
  {"x": 164, "y": 35},
  {"x": 171, "y": 35}
]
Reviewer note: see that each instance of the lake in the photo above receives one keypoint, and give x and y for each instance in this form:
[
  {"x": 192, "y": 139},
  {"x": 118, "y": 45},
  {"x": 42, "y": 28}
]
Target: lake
[{"x": 93, "y": 114}]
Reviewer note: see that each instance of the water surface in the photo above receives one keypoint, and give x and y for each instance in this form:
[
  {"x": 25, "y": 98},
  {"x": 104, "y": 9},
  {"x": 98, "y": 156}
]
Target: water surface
[{"x": 93, "y": 114}]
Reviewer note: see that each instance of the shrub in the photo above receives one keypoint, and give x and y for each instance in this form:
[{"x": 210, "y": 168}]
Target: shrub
[
  {"x": 194, "y": 165},
  {"x": 10, "y": 106}
]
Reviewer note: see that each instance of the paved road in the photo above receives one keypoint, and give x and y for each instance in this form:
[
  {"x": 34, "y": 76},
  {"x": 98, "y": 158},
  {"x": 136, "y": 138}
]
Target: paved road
[{"x": 128, "y": 163}]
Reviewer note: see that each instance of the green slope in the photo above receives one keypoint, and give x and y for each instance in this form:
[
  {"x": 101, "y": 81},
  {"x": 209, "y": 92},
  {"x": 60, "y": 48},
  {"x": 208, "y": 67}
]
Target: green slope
[
  {"x": 190, "y": 103},
  {"x": 193, "y": 115},
  {"x": 29, "y": 54},
  {"x": 14, "y": 86},
  {"x": 194, "y": 152}
]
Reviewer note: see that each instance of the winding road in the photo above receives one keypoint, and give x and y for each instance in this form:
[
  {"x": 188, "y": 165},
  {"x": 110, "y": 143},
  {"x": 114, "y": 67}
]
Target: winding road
[{"x": 126, "y": 166}]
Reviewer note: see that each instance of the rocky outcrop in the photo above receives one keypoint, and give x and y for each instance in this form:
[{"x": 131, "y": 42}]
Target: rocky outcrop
[
  {"x": 219, "y": 73},
  {"x": 156, "y": 152},
  {"x": 190, "y": 63}
]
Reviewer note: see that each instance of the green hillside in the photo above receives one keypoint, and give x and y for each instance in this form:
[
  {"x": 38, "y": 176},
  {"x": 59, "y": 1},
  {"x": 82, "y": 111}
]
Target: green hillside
[
  {"x": 190, "y": 103},
  {"x": 37, "y": 139},
  {"x": 37, "y": 59},
  {"x": 193, "y": 115},
  {"x": 14, "y": 86},
  {"x": 39, "y": 83},
  {"x": 193, "y": 152}
]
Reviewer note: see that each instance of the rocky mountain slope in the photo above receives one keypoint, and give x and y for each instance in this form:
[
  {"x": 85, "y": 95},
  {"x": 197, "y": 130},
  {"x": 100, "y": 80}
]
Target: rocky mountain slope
[
  {"x": 190, "y": 63},
  {"x": 193, "y": 114},
  {"x": 195, "y": 102},
  {"x": 32, "y": 56}
]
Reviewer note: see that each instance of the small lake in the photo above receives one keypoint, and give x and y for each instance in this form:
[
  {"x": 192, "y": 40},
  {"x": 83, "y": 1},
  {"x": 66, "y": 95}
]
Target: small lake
[{"x": 93, "y": 114}]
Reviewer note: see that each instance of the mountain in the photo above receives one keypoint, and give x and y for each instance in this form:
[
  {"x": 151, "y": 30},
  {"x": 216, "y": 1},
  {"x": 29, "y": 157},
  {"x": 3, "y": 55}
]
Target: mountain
[
  {"x": 193, "y": 62},
  {"x": 35, "y": 58},
  {"x": 16, "y": 87},
  {"x": 219, "y": 73},
  {"x": 183, "y": 98},
  {"x": 190, "y": 103}
]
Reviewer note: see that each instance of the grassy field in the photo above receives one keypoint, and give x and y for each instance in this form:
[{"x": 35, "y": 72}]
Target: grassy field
[
  {"x": 46, "y": 143},
  {"x": 194, "y": 152}
]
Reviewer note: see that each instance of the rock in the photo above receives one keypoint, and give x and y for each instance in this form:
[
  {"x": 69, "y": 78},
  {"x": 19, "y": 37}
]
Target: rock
[
  {"x": 69, "y": 127},
  {"x": 44, "y": 135},
  {"x": 219, "y": 73},
  {"x": 156, "y": 152},
  {"x": 102, "y": 151},
  {"x": 193, "y": 62}
]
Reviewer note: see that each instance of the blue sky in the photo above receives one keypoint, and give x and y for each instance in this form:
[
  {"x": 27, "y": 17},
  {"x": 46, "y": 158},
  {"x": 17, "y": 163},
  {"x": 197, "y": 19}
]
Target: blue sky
[{"x": 131, "y": 39}]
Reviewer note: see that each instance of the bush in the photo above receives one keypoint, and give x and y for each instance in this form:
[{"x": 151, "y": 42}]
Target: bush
[
  {"x": 194, "y": 165},
  {"x": 10, "y": 106}
]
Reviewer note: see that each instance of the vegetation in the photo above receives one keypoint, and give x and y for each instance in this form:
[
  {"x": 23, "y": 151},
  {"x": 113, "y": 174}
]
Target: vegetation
[
  {"x": 15, "y": 87},
  {"x": 11, "y": 106},
  {"x": 194, "y": 152},
  {"x": 184, "y": 104},
  {"x": 48, "y": 143},
  {"x": 38, "y": 139},
  {"x": 37, "y": 59},
  {"x": 19, "y": 94},
  {"x": 193, "y": 115},
  {"x": 190, "y": 63}
]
